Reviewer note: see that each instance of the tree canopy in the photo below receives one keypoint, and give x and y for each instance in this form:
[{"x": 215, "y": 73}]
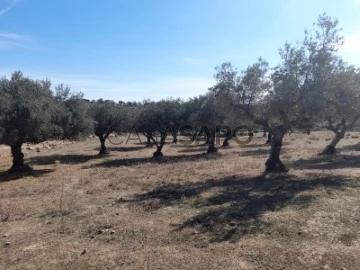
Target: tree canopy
[
  {"x": 310, "y": 84},
  {"x": 31, "y": 113}
]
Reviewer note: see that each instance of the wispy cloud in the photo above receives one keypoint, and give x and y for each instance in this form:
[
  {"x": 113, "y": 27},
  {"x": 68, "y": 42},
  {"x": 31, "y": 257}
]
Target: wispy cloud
[
  {"x": 192, "y": 60},
  {"x": 351, "y": 44},
  {"x": 11, "y": 40},
  {"x": 4, "y": 10},
  {"x": 13, "y": 36},
  {"x": 127, "y": 90}
]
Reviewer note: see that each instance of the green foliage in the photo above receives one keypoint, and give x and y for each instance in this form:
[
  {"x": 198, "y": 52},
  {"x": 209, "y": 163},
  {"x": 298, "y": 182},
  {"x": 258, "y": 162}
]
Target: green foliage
[
  {"x": 342, "y": 97},
  {"x": 29, "y": 112},
  {"x": 27, "y": 107},
  {"x": 292, "y": 92},
  {"x": 105, "y": 114},
  {"x": 162, "y": 114},
  {"x": 208, "y": 113},
  {"x": 72, "y": 114}
]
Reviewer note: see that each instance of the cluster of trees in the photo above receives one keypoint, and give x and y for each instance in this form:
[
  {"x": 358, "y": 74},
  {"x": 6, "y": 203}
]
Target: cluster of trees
[
  {"x": 31, "y": 112},
  {"x": 310, "y": 85}
]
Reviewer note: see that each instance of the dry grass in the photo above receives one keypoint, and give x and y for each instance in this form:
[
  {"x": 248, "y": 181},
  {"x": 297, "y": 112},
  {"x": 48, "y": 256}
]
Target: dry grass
[{"x": 187, "y": 210}]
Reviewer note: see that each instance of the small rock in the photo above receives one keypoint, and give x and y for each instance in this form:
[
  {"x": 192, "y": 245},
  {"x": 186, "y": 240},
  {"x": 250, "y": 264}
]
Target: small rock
[
  {"x": 112, "y": 232},
  {"x": 99, "y": 231},
  {"x": 83, "y": 252},
  {"x": 7, "y": 244}
]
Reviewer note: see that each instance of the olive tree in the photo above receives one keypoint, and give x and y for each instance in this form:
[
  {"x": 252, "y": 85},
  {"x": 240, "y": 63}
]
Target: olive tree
[
  {"x": 106, "y": 116},
  {"x": 71, "y": 114},
  {"x": 30, "y": 113},
  {"x": 208, "y": 117},
  {"x": 342, "y": 104},
  {"x": 291, "y": 94},
  {"x": 159, "y": 119},
  {"x": 26, "y": 115}
]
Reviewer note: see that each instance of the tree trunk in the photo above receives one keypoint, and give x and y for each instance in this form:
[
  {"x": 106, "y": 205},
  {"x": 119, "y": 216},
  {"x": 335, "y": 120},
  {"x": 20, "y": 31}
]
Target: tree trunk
[
  {"x": 211, "y": 138},
  {"x": 208, "y": 140},
  {"x": 226, "y": 142},
  {"x": 330, "y": 149},
  {"x": 268, "y": 138},
  {"x": 103, "y": 150},
  {"x": 175, "y": 140},
  {"x": 158, "y": 153},
  {"x": 212, "y": 148},
  {"x": 159, "y": 147},
  {"x": 149, "y": 143},
  {"x": 18, "y": 160},
  {"x": 274, "y": 164}
]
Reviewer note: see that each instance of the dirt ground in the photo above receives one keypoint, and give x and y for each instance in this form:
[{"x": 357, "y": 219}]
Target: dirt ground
[{"x": 187, "y": 210}]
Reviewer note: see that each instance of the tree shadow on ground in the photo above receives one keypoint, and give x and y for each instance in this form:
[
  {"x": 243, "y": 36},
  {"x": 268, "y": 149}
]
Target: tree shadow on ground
[
  {"x": 186, "y": 143},
  {"x": 159, "y": 160},
  {"x": 124, "y": 149},
  {"x": 328, "y": 162},
  {"x": 257, "y": 152},
  {"x": 232, "y": 207},
  {"x": 64, "y": 159},
  {"x": 10, "y": 176},
  {"x": 355, "y": 147},
  {"x": 194, "y": 149},
  {"x": 255, "y": 145}
]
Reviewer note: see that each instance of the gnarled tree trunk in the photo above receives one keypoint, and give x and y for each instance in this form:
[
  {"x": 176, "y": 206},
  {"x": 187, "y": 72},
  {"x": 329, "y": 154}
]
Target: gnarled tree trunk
[
  {"x": 149, "y": 143},
  {"x": 330, "y": 149},
  {"x": 339, "y": 130},
  {"x": 207, "y": 140},
  {"x": 274, "y": 164},
  {"x": 211, "y": 138},
  {"x": 268, "y": 138},
  {"x": 159, "y": 146},
  {"x": 158, "y": 152},
  {"x": 18, "y": 159},
  {"x": 226, "y": 142},
  {"x": 175, "y": 140},
  {"x": 103, "y": 150}
]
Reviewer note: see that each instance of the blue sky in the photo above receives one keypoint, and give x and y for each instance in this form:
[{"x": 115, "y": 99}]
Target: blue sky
[{"x": 132, "y": 50}]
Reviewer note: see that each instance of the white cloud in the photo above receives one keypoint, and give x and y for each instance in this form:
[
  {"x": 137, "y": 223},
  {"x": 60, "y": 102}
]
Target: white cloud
[
  {"x": 11, "y": 36},
  {"x": 192, "y": 60},
  {"x": 4, "y": 10},
  {"x": 11, "y": 40},
  {"x": 136, "y": 89},
  {"x": 351, "y": 43}
]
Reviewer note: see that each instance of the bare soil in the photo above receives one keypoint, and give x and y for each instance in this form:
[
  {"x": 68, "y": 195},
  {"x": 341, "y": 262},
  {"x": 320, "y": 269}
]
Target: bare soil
[{"x": 186, "y": 210}]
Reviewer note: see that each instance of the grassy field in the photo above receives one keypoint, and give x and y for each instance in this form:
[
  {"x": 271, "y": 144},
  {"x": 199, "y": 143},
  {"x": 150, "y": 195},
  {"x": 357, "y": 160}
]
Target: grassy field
[{"x": 187, "y": 210}]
